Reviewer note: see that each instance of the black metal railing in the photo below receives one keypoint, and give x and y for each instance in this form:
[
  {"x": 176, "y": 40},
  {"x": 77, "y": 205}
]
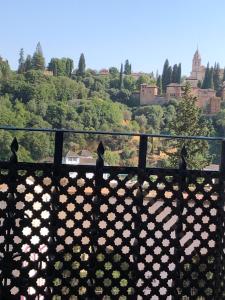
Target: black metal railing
[{"x": 103, "y": 232}]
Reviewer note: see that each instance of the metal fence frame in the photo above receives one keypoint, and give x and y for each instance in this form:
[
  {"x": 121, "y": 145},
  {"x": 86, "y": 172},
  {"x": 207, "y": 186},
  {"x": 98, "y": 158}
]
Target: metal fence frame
[{"x": 142, "y": 173}]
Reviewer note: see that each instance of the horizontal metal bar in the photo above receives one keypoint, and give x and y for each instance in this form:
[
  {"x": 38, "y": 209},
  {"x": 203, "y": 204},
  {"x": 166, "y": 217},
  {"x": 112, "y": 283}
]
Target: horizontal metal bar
[
  {"x": 106, "y": 169},
  {"x": 165, "y": 136}
]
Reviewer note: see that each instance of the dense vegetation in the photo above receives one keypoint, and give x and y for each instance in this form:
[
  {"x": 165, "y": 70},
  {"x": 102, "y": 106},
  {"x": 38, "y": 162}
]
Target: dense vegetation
[{"x": 81, "y": 98}]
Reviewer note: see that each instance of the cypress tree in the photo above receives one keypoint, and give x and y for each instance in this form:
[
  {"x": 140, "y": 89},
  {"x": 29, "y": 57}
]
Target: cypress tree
[
  {"x": 28, "y": 63},
  {"x": 169, "y": 74},
  {"x": 206, "y": 80},
  {"x": 165, "y": 77},
  {"x": 216, "y": 78},
  {"x": 121, "y": 77},
  {"x": 127, "y": 67},
  {"x": 224, "y": 75},
  {"x": 38, "y": 61},
  {"x": 69, "y": 66},
  {"x": 159, "y": 84},
  {"x": 174, "y": 74},
  {"x": 211, "y": 85},
  {"x": 81, "y": 66},
  {"x": 53, "y": 66},
  {"x": 21, "y": 67},
  {"x": 179, "y": 73}
]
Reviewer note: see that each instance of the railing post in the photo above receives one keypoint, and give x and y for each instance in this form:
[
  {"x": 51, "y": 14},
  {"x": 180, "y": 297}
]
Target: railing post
[
  {"x": 95, "y": 218},
  {"x": 143, "y": 145},
  {"x": 220, "y": 228},
  {"x": 58, "y": 147},
  {"x": 142, "y": 157},
  {"x": 181, "y": 180}
]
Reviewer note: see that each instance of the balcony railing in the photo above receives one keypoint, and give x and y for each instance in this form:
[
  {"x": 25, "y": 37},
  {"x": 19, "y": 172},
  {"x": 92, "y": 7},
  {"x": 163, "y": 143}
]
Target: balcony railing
[{"x": 103, "y": 232}]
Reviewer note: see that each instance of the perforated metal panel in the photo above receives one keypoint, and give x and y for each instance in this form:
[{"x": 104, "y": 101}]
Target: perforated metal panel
[{"x": 153, "y": 234}]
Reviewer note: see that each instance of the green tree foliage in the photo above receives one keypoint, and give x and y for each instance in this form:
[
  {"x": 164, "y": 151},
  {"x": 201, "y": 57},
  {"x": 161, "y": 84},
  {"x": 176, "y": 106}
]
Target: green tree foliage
[
  {"x": 114, "y": 71},
  {"x": 166, "y": 75},
  {"x": 127, "y": 67},
  {"x": 216, "y": 79},
  {"x": 129, "y": 83},
  {"x": 112, "y": 158},
  {"x": 38, "y": 60},
  {"x": 148, "y": 79},
  {"x": 154, "y": 116},
  {"x": 159, "y": 84},
  {"x": 121, "y": 77},
  {"x": 208, "y": 78},
  {"x": 28, "y": 63},
  {"x": 99, "y": 114},
  {"x": 199, "y": 84},
  {"x": 61, "y": 67},
  {"x": 5, "y": 71},
  {"x": 170, "y": 74},
  {"x": 87, "y": 100},
  {"x": 223, "y": 75},
  {"x": 220, "y": 123},
  {"x": 211, "y": 84},
  {"x": 174, "y": 74},
  {"x": 122, "y": 95},
  {"x": 81, "y": 66},
  {"x": 21, "y": 67},
  {"x": 179, "y": 73},
  {"x": 189, "y": 122},
  {"x": 142, "y": 122}
]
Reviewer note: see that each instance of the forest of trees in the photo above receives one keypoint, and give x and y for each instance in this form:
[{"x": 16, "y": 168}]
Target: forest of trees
[
  {"x": 213, "y": 79},
  {"x": 79, "y": 98}
]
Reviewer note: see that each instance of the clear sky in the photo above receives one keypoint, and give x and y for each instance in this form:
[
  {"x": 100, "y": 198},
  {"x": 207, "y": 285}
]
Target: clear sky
[{"x": 109, "y": 31}]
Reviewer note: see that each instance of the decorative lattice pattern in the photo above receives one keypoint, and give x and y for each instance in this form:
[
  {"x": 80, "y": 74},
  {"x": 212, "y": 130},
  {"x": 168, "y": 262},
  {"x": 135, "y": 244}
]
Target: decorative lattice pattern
[{"x": 64, "y": 234}]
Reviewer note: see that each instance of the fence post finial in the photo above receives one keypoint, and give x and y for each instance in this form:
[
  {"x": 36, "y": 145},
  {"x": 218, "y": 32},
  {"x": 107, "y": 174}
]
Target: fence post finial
[
  {"x": 14, "y": 148},
  {"x": 100, "y": 159}
]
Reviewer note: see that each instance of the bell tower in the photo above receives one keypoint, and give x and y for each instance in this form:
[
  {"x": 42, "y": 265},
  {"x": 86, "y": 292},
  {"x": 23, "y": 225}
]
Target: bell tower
[
  {"x": 196, "y": 62},
  {"x": 197, "y": 69}
]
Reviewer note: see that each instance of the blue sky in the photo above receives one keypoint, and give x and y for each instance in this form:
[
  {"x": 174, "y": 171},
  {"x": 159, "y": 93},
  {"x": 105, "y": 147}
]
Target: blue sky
[{"x": 144, "y": 31}]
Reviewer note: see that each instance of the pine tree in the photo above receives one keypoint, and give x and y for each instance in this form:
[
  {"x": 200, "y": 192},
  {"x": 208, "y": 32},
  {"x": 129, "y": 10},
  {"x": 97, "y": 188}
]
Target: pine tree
[
  {"x": 81, "y": 66},
  {"x": 121, "y": 77},
  {"x": 159, "y": 84},
  {"x": 21, "y": 67},
  {"x": 189, "y": 122},
  {"x": 28, "y": 63},
  {"x": 166, "y": 77},
  {"x": 179, "y": 73},
  {"x": 38, "y": 61},
  {"x": 174, "y": 73},
  {"x": 127, "y": 67}
]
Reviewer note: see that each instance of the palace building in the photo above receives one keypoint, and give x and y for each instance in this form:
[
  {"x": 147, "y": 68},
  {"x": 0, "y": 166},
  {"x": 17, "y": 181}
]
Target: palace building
[{"x": 207, "y": 99}]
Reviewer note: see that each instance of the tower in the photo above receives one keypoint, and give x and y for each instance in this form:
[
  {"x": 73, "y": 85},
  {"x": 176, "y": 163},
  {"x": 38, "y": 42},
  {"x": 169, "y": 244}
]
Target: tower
[
  {"x": 197, "y": 72},
  {"x": 196, "y": 62}
]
